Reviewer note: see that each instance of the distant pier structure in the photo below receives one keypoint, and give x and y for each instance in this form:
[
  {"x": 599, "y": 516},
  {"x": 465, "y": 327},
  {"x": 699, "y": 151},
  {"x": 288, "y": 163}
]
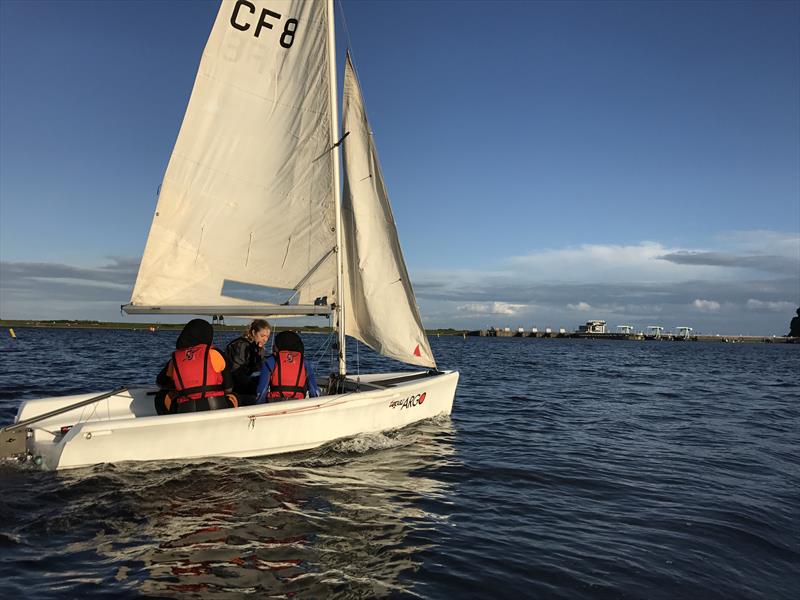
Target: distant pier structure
[
  {"x": 595, "y": 329},
  {"x": 493, "y": 332},
  {"x": 521, "y": 332},
  {"x": 594, "y": 326}
]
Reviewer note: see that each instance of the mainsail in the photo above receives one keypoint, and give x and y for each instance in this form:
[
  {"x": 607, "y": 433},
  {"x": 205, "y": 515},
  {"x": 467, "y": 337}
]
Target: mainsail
[
  {"x": 247, "y": 198},
  {"x": 381, "y": 308}
]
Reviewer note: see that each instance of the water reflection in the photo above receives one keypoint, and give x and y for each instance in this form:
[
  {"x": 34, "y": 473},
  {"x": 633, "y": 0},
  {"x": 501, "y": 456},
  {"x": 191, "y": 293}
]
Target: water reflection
[{"x": 348, "y": 519}]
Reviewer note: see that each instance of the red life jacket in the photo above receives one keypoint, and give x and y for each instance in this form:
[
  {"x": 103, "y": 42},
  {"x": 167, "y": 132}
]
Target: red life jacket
[
  {"x": 288, "y": 378},
  {"x": 194, "y": 375}
]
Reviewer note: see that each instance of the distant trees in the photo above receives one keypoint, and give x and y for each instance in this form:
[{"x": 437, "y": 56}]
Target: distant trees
[{"x": 794, "y": 326}]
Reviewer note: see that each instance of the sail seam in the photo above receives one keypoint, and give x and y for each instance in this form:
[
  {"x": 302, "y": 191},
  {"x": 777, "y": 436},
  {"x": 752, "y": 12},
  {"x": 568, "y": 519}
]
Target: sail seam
[
  {"x": 249, "y": 244},
  {"x": 200, "y": 243}
]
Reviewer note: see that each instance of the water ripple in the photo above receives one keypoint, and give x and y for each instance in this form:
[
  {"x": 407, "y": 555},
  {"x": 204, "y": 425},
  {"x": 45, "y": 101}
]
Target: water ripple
[{"x": 568, "y": 470}]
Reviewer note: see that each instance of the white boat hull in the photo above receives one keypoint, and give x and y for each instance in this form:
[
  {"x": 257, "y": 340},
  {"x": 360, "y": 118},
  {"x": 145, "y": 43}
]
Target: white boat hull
[{"x": 125, "y": 427}]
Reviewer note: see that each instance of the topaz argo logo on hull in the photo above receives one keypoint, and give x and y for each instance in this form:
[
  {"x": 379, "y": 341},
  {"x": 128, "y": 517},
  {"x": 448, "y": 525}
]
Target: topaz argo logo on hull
[{"x": 409, "y": 402}]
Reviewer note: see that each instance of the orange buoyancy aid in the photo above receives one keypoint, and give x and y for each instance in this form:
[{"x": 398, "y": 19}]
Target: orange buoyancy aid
[
  {"x": 289, "y": 377},
  {"x": 194, "y": 374}
]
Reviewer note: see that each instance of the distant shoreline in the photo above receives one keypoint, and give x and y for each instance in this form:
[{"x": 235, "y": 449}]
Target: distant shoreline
[
  {"x": 728, "y": 339},
  {"x": 68, "y": 324},
  {"x": 77, "y": 324}
]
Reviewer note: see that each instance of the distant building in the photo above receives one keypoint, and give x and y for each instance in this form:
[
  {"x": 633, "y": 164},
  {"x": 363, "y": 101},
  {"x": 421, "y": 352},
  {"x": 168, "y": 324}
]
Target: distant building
[{"x": 595, "y": 326}]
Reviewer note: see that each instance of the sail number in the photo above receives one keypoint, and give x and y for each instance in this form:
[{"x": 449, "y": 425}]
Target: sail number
[{"x": 242, "y": 21}]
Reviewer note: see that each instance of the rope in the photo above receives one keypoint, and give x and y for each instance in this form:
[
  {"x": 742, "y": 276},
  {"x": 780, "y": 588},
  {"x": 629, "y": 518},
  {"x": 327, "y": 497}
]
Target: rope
[
  {"x": 323, "y": 348},
  {"x": 346, "y": 31},
  {"x": 321, "y": 352},
  {"x": 351, "y": 50}
]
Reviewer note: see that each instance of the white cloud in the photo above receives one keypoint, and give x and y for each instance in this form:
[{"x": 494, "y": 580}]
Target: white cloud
[
  {"x": 581, "y": 306},
  {"x": 645, "y": 262},
  {"x": 780, "y": 306},
  {"x": 593, "y": 262},
  {"x": 769, "y": 252},
  {"x": 706, "y": 305},
  {"x": 706, "y": 286},
  {"x": 491, "y": 308}
]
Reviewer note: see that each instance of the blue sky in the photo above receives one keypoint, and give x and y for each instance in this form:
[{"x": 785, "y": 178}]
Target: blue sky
[{"x": 548, "y": 162}]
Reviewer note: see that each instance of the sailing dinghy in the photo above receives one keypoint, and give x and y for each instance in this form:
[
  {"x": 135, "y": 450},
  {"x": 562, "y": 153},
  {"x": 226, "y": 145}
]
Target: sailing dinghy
[{"x": 250, "y": 221}]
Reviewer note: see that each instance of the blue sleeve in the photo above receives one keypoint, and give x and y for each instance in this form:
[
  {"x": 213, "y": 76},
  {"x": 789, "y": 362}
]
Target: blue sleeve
[
  {"x": 313, "y": 390},
  {"x": 263, "y": 380}
]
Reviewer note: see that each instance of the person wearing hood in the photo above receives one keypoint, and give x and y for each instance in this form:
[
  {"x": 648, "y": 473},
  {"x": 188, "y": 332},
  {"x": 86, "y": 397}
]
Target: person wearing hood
[
  {"x": 195, "y": 378},
  {"x": 286, "y": 374}
]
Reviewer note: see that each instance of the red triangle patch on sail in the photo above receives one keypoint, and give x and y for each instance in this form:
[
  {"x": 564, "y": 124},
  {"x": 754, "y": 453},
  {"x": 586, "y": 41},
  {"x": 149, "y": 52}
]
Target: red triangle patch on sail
[{"x": 416, "y": 351}]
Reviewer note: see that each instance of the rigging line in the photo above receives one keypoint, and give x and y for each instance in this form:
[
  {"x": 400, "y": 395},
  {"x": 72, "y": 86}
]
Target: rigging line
[
  {"x": 317, "y": 365},
  {"x": 358, "y": 366},
  {"x": 323, "y": 349},
  {"x": 350, "y": 51},
  {"x": 346, "y": 32},
  {"x": 341, "y": 399},
  {"x": 319, "y": 353}
]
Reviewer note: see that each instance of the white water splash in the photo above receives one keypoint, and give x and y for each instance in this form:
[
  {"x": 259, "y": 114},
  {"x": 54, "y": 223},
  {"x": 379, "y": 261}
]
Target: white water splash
[{"x": 367, "y": 442}]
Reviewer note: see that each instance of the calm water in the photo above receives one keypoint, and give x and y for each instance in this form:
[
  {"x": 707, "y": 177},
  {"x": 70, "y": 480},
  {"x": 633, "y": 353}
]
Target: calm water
[{"x": 569, "y": 469}]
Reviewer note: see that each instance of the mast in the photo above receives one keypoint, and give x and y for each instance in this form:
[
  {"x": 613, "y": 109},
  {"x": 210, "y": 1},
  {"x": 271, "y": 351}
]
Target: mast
[{"x": 340, "y": 316}]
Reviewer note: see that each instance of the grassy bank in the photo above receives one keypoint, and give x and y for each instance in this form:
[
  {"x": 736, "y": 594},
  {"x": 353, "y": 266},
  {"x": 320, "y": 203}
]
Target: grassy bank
[{"x": 63, "y": 324}]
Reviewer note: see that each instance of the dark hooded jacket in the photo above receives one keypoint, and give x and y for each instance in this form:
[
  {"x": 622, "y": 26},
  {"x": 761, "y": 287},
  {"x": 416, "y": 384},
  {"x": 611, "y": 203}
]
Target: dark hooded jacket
[
  {"x": 196, "y": 331},
  {"x": 244, "y": 358}
]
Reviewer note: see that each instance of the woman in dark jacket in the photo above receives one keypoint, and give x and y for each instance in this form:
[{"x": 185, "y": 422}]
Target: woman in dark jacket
[{"x": 245, "y": 355}]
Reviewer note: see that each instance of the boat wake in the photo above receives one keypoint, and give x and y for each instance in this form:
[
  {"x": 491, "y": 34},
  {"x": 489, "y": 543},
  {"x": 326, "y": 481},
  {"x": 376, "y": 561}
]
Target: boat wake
[{"x": 367, "y": 442}]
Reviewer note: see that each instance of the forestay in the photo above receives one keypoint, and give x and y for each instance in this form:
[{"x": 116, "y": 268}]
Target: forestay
[
  {"x": 247, "y": 197},
  {"x": 381, "y": 308}
]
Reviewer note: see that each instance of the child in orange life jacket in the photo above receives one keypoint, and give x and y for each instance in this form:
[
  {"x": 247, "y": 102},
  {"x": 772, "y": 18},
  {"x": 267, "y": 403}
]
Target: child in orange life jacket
[
  {"x": 286, "y": 374},
  {"x": 195, "y": 378}
]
